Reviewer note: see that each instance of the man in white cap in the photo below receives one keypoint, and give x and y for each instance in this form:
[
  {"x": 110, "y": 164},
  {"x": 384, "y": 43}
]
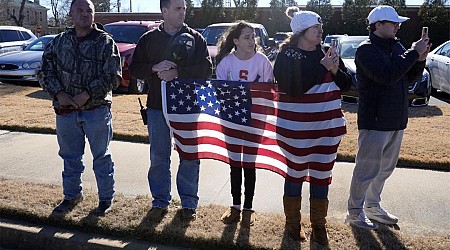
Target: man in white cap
[{"x": 384, "y": 69}]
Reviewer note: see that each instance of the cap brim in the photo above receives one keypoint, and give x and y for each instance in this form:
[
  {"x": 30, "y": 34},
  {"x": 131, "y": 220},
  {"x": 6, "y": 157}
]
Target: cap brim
[{"x": 399, "y": 19}]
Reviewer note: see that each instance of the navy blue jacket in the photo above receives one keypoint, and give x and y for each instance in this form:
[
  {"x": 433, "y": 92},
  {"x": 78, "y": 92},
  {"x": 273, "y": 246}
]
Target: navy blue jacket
[{"x": 384, "y": 69}]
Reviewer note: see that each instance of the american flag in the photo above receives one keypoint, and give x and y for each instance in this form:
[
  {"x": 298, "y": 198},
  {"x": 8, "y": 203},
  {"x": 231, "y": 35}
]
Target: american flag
[{"x": 253, "y": 125}]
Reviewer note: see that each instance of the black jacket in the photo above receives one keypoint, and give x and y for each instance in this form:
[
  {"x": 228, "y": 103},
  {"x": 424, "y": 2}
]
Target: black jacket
[
  {"x": 384, "y": 70},
  {"x": 296, "y": 71},
  {"x": 156, "y": 46}
]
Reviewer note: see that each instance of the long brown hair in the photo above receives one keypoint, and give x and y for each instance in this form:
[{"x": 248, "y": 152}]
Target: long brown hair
[{"x": 226, "y": 43}]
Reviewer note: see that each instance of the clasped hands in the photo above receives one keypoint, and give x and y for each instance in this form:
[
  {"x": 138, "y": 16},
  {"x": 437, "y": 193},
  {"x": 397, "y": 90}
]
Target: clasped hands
[
  {"x": 76, "y": 101},
  {"x": 166, "y": 70}
]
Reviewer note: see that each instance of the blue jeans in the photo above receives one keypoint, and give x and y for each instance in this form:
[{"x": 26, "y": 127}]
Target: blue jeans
[
  {"x": 295, "y": 189},
  {"x": 159, "y": 174},
  {"x": 71, "y": 131}
]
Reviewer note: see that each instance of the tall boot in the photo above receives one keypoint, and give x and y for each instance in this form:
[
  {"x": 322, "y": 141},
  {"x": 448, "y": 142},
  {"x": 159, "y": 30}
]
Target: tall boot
[
  {"x": 292, "y": 207},
  {"x": 318, "y": 212}
]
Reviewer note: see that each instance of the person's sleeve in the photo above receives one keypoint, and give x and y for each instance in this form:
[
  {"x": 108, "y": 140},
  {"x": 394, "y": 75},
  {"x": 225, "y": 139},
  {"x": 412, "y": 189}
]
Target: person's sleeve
[
  {"x": 416, "y": 71},
  {"x": 221, "y": 70},
  {"x": 48, "y": 78},
  {"x": 111, "y": 75},
  {"x": 342, "y": 78},
  {"x": 200, "y": 66},
  {"x": 385, "y": 72},
  {"x": 267, "y": 71},
  {"x": 285, "y": 73},
  {"x": 141, "y": 63}
]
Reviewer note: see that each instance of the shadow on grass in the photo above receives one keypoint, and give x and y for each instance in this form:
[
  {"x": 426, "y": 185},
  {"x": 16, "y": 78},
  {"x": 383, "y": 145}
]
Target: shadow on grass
[
  {"x": 288, "y": 243},
  {"x": 365, "y": 239},
  {"x": 427, "y": 111},
  {"x": 40, "y": 94},
  {"x": 228, "y": 233},
  {"x": 388, "y": 238}
]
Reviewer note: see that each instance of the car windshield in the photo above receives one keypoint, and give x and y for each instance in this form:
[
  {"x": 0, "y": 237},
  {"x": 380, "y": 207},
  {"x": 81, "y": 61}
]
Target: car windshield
[
  {"x": 126, "y": 33},
  {"x": 212, "y": 34},
  {"x": 39, "y": 44},
  {"x": 347, "y": 48}
]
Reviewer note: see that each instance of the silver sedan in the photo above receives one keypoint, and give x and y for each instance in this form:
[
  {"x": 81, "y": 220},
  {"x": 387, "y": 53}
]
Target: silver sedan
[
  {"x": 438, "y": 64},
  {"x": 23, "y": 65}
]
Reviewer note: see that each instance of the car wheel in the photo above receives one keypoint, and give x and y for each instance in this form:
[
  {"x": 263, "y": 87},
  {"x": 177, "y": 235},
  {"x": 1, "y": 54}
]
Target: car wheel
[{"x": 137, "y": 86}]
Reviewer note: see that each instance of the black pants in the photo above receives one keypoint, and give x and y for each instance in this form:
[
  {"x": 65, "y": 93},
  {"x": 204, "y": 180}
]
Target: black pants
[{"x": 249, "y": 185}]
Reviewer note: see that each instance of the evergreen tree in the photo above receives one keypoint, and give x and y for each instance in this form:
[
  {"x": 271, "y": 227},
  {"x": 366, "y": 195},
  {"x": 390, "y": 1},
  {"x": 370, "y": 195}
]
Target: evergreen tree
[
  {"x": 211, "y": 11},
  {"x": 325, "y": 11},
  {"x": 245, "y": 10},
  {"x": 278, "y": 20},
  {"x": 434, "y": 15}
]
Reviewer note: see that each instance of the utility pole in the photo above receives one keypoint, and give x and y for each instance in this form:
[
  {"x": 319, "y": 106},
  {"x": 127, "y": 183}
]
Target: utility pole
[
  {"x": 131, "y": 10},
  {"x": 118, "y": 5}
]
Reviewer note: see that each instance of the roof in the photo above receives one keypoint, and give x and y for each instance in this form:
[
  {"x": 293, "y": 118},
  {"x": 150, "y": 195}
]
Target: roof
[{"x": 254, "y": 25}]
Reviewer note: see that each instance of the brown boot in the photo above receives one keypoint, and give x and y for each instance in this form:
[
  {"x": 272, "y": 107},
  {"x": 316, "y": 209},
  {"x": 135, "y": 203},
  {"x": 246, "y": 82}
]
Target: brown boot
[
  {"x": 292, "y": 207},
  {"x": 319, "y": 209}
]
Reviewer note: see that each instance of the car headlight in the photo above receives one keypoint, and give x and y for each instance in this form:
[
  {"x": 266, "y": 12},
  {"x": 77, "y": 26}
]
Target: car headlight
[{"x": 33, "y": 65}]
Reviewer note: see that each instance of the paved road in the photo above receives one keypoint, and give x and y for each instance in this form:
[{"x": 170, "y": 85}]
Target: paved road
[{"x": 419, "y": 198}]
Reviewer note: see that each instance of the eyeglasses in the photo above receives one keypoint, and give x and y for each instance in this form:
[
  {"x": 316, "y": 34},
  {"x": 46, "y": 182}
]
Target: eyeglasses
[{"x": 393, "y": 23}]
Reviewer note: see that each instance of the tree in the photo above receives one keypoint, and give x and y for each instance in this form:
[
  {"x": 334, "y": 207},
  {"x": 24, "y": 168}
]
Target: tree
[
  {"x": 278, "y": 20},
  {"x": 434, "y": 15},
  {"x": 104, "y": 5},
  {"x": 211, "y": 11},
  {"x": 18, "y": 20},
  {"x": 60, "y": 9},
  {"x": 189, "y": 11},
  {"x": 354, "y": 16},
  {"x": 325, "y": 11},
  {"x": 245, "y": 10}
]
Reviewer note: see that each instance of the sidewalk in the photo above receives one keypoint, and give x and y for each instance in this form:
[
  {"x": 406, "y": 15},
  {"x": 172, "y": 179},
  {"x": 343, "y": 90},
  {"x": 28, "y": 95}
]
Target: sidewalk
[{"x": 420, "y": 198}]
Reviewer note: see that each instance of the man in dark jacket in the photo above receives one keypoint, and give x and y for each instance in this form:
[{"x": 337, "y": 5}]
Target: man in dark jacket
[
  {"x": 80, "y": 68},
  {"x": 384, "y": 69},
  {"x": 172, "y": 50}
]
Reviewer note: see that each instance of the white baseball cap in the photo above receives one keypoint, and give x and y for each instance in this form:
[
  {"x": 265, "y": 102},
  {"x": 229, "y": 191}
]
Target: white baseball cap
[
  {"x": 303, "y": 20},
  {"x": 385, "y": 13}
]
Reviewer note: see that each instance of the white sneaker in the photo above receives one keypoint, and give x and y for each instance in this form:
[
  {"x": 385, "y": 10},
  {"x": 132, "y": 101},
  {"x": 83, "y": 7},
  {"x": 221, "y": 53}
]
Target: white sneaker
[
  {"x": 379, "y": 214},
  {"x": 360, "y": 220}
]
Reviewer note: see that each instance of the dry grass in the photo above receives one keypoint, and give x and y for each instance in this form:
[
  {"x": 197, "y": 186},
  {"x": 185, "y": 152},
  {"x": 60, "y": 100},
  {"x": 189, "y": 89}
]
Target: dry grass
[
  {"x": 426, "y": 142},
  {"x": 129, "y": 219}
]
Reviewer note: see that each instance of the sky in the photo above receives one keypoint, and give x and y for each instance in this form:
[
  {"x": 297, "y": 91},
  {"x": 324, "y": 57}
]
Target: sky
[{"x": 153, "y": 5}]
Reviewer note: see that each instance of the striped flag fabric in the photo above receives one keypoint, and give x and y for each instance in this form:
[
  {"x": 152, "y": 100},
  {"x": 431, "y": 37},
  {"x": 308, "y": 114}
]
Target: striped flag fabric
[{"x": 253, "y": 125}]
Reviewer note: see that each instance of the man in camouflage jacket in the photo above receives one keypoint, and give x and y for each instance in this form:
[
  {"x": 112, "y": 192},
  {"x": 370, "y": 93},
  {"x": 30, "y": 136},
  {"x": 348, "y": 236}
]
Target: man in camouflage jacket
[{"x": 80, "y": 69}]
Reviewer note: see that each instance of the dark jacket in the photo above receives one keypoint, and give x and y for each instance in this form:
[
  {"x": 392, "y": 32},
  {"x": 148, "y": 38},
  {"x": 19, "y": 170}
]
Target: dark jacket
[
  {"x": 384, "y": 70},
  {"x": 92, "y": 65},
  {"x": 297, "y": 71},
  {"x": 156, "y": 46}
]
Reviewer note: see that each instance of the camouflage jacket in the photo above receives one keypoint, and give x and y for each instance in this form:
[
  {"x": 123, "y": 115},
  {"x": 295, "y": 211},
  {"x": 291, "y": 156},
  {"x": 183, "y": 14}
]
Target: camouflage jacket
[{"x": 71, "y": 66}]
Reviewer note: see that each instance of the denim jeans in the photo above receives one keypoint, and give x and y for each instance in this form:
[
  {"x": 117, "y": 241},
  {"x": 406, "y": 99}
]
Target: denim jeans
[
  {"x": 72, "y": 130},
  {"x": 159, "y": 174},
  {"x": 295, "y": 189},
  {"x": 376, "y": 159}
]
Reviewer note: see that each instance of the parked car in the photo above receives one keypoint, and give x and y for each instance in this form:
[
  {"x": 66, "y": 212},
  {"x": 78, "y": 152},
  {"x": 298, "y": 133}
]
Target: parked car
[
  {"x": 279, "y": 37},
  {"x": 23, "y": 65},
  {"x": 14, "y": 38},
  {"x": 126, "y": 34},
  {"x": 213, "y": 32},
  {"x": 438, "y": 64},
  {"x": 328, "y": 38},
  {"x": 418, "y": 93}
]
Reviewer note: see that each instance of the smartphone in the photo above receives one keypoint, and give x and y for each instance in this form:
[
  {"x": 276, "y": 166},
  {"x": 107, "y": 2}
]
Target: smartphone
[
  {"x": 334, "y": 45},
  {"x": 424, "y": 31}
]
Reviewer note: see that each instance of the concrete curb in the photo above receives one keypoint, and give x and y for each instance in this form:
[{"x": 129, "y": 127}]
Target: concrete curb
[{"x": 23, "y": 235}]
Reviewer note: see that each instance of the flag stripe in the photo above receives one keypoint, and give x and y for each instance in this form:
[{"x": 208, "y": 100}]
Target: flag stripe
[{"x": 254, "y": 125}]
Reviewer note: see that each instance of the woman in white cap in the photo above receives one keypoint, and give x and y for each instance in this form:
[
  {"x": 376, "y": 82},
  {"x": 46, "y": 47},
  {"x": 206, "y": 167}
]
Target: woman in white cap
[{"x": 302, "y": 66}]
